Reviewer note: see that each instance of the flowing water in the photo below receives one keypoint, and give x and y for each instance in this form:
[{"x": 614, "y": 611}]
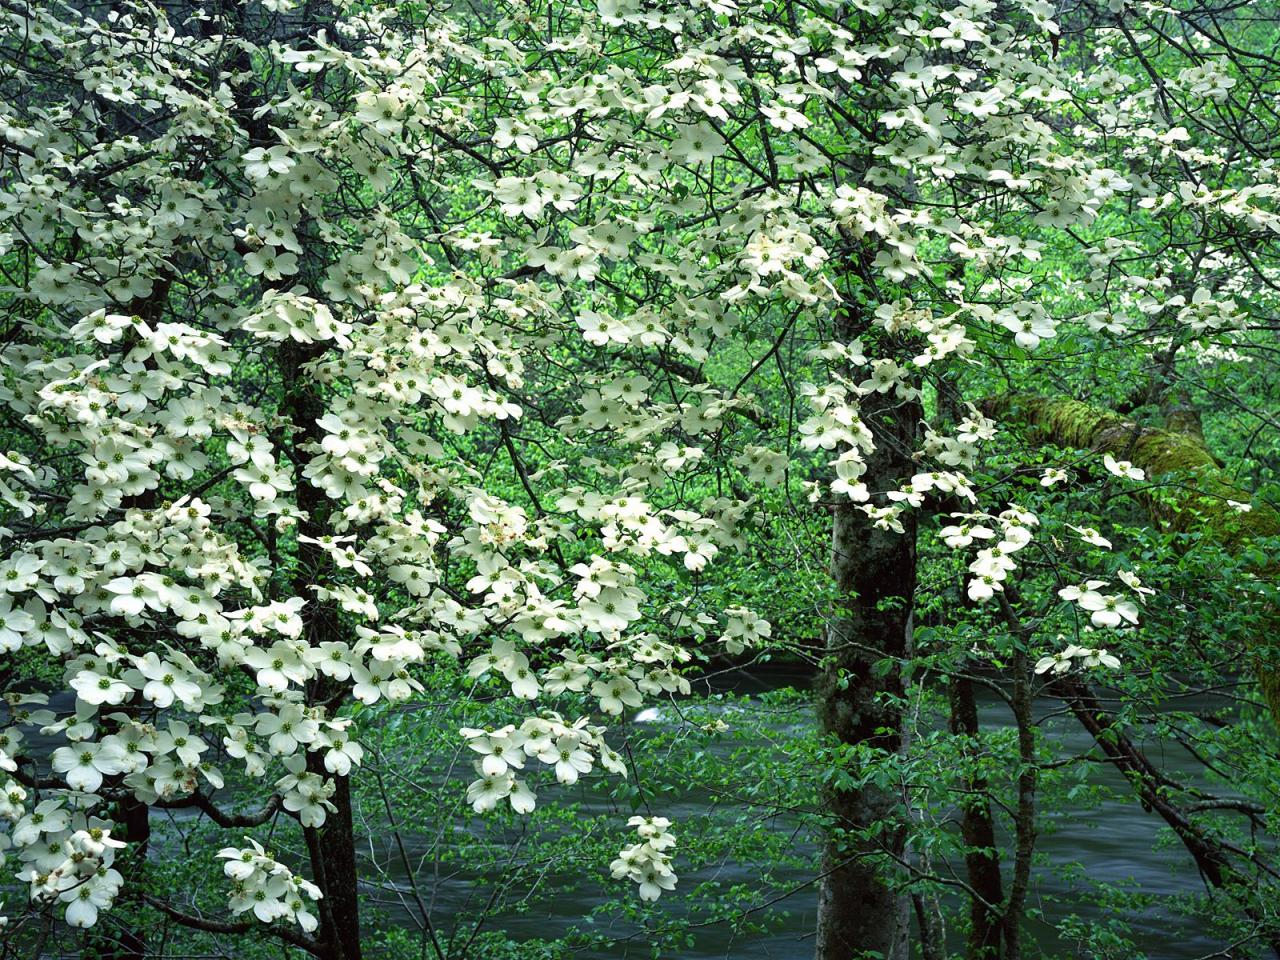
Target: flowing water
[{"x": 1114, "y": 842}]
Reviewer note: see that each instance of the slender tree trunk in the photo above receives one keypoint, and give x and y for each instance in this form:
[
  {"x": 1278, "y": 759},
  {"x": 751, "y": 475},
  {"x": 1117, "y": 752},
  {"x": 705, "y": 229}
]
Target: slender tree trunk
[
  {"x": 977, "y": 825},
  {"x": 332, "y": 846},
  {"x": 1223, "y": 868},
  {"x": 981, "y": 858},
  {"x": 1024, "y": 818},
  {"x": 860, "y": 691},
  {"x": 1212, "y": 858},
  {"x": 933, "y": 932}
]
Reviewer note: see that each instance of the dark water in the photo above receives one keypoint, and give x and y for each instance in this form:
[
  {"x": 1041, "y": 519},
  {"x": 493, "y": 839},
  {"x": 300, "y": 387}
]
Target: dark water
[{"x": 1114, "y": 842}]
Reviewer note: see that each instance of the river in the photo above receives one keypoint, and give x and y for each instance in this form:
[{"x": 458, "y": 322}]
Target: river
[{"x": 1113, "y": 841}]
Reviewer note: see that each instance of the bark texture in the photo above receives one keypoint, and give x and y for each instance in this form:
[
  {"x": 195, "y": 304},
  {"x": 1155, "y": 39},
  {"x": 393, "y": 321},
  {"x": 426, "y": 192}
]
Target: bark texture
[
  {"x": 859, "y": 703},
  {"x": 1200, "y": 501}
]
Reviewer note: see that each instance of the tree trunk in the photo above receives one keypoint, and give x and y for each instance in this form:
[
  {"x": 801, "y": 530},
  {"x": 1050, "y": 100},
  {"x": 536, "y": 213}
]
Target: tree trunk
[
  {"x": 332, "y": 851},
  {"x": 977, "y": 825},
  {"x": 981, "y": 857},
  {"x": 132, "y": 817},
  {"x": 332, "y": 846},
  {"x": 860, "y": 692},
  {"x": 1024, "y": 817},
  {"x": 338, "y": 843},
  {"x": 933, "y": 932}
]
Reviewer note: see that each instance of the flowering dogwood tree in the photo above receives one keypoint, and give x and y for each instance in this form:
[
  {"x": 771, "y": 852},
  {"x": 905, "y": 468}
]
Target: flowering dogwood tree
[
  {"x": 241, "y": 342},
  {"x": 281, "y": 275}
]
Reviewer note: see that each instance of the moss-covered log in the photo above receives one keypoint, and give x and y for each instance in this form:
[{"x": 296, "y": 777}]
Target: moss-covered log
[{"x": 1202, "y": 497}]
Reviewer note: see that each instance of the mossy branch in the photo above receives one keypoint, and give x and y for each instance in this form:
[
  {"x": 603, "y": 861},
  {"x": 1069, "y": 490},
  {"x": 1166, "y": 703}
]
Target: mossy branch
[{"x": 1204, "y": 497}]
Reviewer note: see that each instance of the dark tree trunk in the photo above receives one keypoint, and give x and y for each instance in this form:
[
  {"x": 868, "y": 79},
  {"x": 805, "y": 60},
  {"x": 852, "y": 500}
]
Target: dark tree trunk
[
  {"x": 860, "y": 692},
  {"x": 332, "y": 851},
  {"x": 332, "y": 846},
  {"x": 133, "y": 818},
  {"x": 128, "y": 940},
  {"x": 1024, "y": 817},
  {"x": 981, "y": 858}
]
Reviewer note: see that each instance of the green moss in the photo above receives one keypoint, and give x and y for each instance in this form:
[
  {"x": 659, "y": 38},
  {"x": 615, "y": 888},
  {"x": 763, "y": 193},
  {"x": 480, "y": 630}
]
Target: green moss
[{"x": 1197, "y": 493}]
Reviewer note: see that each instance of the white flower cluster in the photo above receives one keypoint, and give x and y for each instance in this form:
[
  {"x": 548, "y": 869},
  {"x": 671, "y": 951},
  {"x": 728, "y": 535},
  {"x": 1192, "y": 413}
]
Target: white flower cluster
[
  {"x": 306, "y": 794},
  {"x": 1123, "y": 468},
  {"x": 1106, "y": 610},
  {"x": 1074, "y": 656},
  {"x": 744, "y": 629},
  {"x": 993, "y": 564},
  {"x": 647, "y": 862},
  {"x": 571, "y": 749},
  {"x": 264, "y": 885},
  {"x": 961, "y": 449},
  {"x": 66, "y": 857}
]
